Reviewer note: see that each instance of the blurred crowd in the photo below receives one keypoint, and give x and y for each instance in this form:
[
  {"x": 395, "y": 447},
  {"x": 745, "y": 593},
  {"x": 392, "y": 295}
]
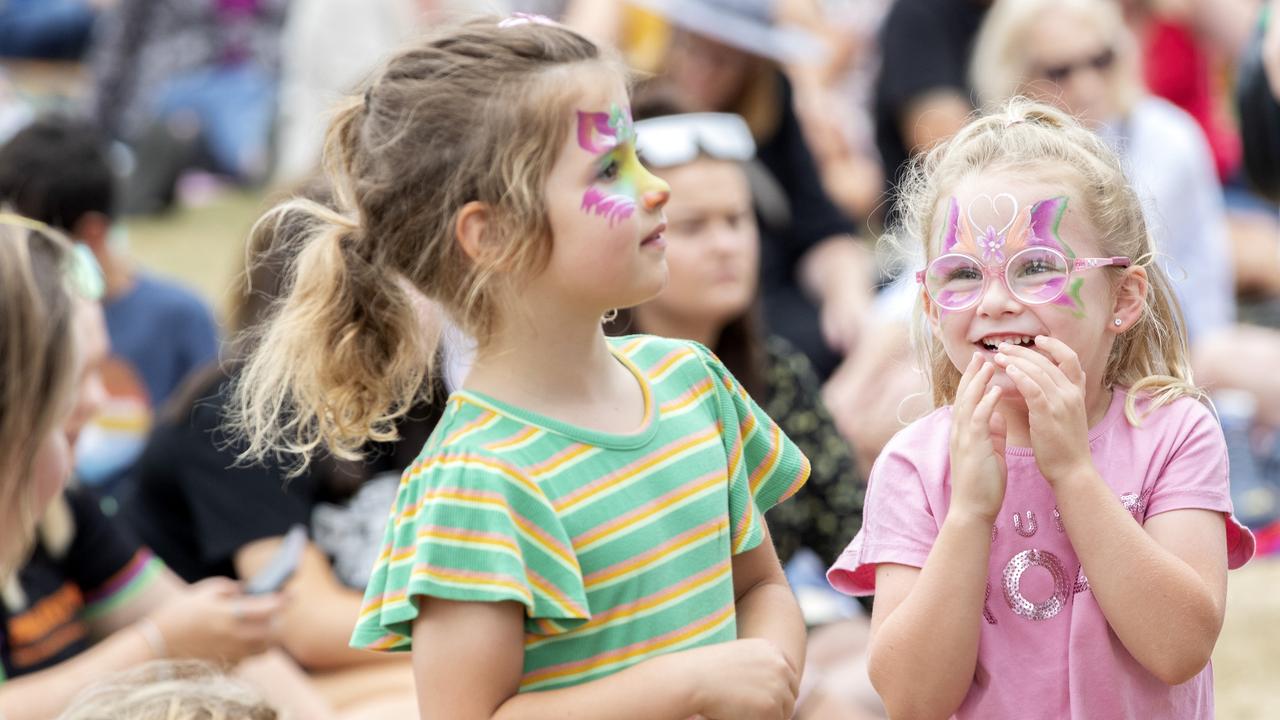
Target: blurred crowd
[{"x": 782, "y": 258}]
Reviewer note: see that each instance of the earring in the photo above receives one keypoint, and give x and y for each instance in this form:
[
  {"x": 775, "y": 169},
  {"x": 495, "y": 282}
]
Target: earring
[
  {"x": 610, "y": 316},
  {"x": 1118, "y": 322}
]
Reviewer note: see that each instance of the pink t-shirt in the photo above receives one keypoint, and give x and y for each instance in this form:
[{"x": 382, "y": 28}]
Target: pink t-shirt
[{"x": 1046, "y": 650}]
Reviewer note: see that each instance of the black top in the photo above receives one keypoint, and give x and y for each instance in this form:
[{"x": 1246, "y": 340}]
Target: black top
[
  {"x": 196, "y": 509},
  {"x": 103, "y": 561},
  {"x": 925, "y": 45},
  {"x": 814, "y": 217},
  {"x": 827, "y": 512}
]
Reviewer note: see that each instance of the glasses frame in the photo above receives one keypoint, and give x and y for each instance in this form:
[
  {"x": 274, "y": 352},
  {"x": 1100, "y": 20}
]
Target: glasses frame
[
  {"x": 723, "y": 136},
  {"x": 1073, "y": 265}
]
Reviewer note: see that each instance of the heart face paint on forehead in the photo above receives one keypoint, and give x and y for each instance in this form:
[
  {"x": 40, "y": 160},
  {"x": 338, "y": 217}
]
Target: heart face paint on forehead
[{"x": 1034, "y": 226}]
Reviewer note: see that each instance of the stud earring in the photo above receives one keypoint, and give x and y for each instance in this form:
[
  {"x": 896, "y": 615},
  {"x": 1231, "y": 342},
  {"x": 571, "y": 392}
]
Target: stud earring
[{"x": 1118, "y": 322}]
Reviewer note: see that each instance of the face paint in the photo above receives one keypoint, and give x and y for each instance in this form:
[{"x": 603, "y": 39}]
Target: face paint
[
  {"x": 1035, "y": 226},
  {"x": 603, "y": 134}
]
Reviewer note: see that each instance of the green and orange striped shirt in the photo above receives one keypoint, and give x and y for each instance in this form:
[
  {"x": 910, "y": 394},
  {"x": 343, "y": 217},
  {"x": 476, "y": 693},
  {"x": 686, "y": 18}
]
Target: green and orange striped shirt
[{"x": 618, "y": 546}]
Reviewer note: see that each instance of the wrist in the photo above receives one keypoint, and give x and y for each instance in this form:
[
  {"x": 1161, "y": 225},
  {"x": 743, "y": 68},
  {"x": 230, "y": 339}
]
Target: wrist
[
  {"x": 971, "y": 520},
  {"x": 1070, "y": 477}
]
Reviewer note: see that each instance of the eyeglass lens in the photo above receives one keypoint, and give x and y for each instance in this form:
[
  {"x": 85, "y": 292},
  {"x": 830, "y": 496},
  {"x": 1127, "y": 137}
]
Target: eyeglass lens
[{"x": 1034, "y": 276}]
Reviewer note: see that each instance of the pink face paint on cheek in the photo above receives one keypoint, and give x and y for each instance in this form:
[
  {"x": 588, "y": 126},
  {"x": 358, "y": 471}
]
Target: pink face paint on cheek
[{"x": 614, "y": 208}]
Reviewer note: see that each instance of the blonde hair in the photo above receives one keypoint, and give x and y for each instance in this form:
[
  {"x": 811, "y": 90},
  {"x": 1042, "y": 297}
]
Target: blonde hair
[
  {"x": 999, "y": 68},
  {"x": 170, "y": 690},
  {"x": 1150, "y": 358},
  {"x": 37, "y": 366},
  {"x": 476, "y": 113}
]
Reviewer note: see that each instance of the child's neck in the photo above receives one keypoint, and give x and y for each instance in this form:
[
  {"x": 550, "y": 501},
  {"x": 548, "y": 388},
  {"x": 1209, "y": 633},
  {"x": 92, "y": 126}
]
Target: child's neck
[{"x": 562, "y": 369}]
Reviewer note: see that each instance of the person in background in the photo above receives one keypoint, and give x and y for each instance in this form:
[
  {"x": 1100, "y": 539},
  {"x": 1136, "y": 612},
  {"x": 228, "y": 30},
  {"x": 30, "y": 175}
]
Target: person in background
[
  {"x": 712, "y": 297},
  {"x": 86, "y": 598},
  {"x": 816, "y": 279},
  {"x": 56, "y": 170}
]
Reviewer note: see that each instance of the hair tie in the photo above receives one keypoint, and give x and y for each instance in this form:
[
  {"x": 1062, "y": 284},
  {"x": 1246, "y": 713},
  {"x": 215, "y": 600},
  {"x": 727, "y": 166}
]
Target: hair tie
[{"x": 519, "y": 18}]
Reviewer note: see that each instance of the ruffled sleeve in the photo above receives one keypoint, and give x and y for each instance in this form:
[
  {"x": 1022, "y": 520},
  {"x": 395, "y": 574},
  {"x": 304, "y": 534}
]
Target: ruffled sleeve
[
  {"x": 470, "y": 528},
  {"x": 764, "y": 468}
]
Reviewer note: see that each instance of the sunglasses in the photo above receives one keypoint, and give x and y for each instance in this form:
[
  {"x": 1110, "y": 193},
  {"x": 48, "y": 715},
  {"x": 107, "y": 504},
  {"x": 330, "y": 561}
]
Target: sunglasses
[
  {"x": 1059, "y": 74},
  {"x": 1033, "y": 276},
  {"x": 673, "y": 140},
  {"x": 81, "y": 268}
]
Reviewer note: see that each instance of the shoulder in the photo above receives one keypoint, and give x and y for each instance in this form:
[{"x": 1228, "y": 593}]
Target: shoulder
[
  {"x": 660, "y": 358},
  {"x": 1175, "y": 423}
]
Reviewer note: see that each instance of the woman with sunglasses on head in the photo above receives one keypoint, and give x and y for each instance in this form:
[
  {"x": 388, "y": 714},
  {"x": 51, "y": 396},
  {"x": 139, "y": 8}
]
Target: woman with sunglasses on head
[
  {"x": 712, "y": 296},
  {"x": 1053, "y": 540}
]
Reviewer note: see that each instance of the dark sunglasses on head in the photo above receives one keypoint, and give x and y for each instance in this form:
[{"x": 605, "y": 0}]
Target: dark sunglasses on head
[{"x": 1101, "y": 62}]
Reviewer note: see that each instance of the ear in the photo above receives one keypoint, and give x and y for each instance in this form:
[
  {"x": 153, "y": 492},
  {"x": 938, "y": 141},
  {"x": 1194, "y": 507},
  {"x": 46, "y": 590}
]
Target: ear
[
  {"x": 1130, "y": 299},
  {"x": 472, "y": 228},
  {"x": 93, "y": 229}
]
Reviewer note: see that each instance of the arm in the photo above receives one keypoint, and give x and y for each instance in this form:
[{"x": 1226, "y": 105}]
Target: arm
[
  {"x": 468, "y": 660},
  {"x": 209, "y": 621},
  {"x": 1162, "y": 588},
  {"x": 926, "y": 622},
  {"x": 837, "y": 272},
  {"x": 315, "y": 632},
  {"x": 766, "y": 607},
  {"x": 162, "y": 589}
]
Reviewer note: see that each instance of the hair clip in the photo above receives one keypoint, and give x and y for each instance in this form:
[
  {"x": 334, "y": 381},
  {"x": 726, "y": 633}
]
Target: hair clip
[{"x": 519, "y": 18}]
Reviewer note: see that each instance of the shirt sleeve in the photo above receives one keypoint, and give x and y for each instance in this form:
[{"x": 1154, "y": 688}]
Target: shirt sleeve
[
  {"x": 764, "y": 466},
  {"x": 468, "y": 527},
  {"x": 105, "y": 559},
  {"x": 1195, "y": 476},
  {"x": 898, "y": 523}
]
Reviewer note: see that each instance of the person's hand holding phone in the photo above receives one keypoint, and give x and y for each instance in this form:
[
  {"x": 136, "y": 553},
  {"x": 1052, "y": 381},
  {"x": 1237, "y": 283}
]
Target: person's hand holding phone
[{"x": 214, "y": 620}]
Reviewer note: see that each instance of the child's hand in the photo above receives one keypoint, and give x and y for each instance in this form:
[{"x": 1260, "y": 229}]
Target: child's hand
[
  {"x": 1054, "y": 392},
  {"x": 742, "y": 679},
  {"x": 977, "y": 444}
]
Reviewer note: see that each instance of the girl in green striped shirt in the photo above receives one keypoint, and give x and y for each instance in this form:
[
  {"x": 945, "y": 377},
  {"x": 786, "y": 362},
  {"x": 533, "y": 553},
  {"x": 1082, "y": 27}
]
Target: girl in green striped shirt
[{"x": 583, "y": 534}]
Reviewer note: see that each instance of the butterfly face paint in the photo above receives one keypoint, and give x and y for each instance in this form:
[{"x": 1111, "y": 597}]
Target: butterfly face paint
[
  {"x": 611, "y": 136},
  {"x": 1034, "y": 226}
]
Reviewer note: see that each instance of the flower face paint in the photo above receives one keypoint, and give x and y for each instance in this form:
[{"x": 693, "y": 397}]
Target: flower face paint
[
  {"x": 606, "y": 135},
  {"x": 1034, "y": 226}
]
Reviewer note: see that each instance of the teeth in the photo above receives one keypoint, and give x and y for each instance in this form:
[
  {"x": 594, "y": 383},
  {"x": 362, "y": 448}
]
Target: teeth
[{"x": 994, "y": 340}]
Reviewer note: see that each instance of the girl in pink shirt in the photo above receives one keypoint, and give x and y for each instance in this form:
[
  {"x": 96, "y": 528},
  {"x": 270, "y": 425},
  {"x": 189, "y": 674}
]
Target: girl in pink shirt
[{"x": 1053, "y": 540}]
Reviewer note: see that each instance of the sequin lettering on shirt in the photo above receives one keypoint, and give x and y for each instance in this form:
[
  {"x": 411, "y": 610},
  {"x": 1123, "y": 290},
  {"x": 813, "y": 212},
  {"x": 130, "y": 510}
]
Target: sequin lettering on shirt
[
  {"x": 1025, "y": 529},
  {"x": 1020, "y": 604},
  {"x": 1057, "y": 520}
]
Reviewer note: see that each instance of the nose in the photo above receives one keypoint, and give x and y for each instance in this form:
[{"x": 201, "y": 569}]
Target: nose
[
  {"x": 996, "y": 298},
  {"x": 655, "y": 199}
]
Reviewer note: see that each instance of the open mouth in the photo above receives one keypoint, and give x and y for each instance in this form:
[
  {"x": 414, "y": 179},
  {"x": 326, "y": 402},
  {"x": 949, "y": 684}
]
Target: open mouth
[{"x": 991, "y": 342}]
